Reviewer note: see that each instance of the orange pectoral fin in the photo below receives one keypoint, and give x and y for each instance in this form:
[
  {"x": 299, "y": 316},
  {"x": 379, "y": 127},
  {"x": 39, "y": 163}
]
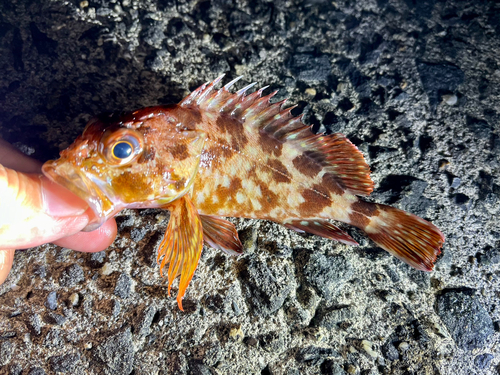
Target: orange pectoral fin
[
  {"x": 182, "y": 244},
  {"x": 221, "y": 234}
]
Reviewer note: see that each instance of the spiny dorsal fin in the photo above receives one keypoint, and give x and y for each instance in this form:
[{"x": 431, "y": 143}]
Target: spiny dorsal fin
[{"x": 333, "y": 153}]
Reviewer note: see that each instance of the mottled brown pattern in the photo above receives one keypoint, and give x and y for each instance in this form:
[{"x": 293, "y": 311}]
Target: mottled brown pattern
[
  {"x": 229, "y": 193},
  {"x": 147, "y": 155},
  {"x": 332, "y": 184},
  {"x": 270, "y": 144},
  {"x": 316, "y": 199},
  {"x": 307, "y": 166},
  {"x": 179, "y": 151},
  {"x": 180, "y": 183},
  {"x": 269, "y": 200},
  {"x": 365, "y": 208},
  {"x": 235, "y": 130},
  {"x": 279, "y": 171},
  {"x": 189, "y": 118},
  {"x": 359, "y": 220}
]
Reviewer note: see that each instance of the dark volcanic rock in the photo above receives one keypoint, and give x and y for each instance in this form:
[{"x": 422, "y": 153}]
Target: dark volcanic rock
[
  {"x": 439, "y": 79},
  {"x": 116, "y": 353},
  {"x": 466, "y": 319},
  {"x": 328, "y": 274},
  {"x": 64, "y": 363},
  {"x": 123, "y": 286},
  {"x": 71, "y": 276},
  {"x": 310, "y": 68},
  {"x": 266, "y": 287}
]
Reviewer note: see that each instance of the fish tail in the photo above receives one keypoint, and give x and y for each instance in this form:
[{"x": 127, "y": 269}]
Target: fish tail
[{"x": 406, "y": 236}]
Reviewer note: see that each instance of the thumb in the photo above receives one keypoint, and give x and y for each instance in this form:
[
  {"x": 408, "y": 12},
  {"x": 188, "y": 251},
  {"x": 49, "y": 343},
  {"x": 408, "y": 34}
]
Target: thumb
[{"x": 34, "y": 210}]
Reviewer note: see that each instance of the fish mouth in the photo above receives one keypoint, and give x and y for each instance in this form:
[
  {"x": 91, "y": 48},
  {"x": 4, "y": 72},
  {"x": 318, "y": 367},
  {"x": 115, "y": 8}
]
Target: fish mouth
[{"x": 93, "y": 192}]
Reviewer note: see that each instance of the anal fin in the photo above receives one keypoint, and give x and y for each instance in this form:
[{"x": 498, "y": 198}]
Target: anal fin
[
  {"x": 321, "y": 228},
  {"x": 182, "y": 244},
  {"x": 221, "y": 234}
]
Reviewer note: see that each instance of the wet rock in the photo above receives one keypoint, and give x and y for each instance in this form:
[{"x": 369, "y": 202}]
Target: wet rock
[
  {"x": 64, "y": 363},
  {"x": 7, "y": 348},
  {"x": 466, "y": 319},
  {"x": 71, "y": 276},
  {"x": 266, "y": 287},
  {"x": 439, "y": 79},
  {"x": 327, "y": 274},
  {"x": 483, "y": 361},
  {"x": 123, "y": 286},
  {"x": 116, "y": 353},
  {"x": 51, "y": 301}
]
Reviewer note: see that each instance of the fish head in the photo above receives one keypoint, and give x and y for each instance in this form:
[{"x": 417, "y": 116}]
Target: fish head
[{"x": 143, "y": 159}]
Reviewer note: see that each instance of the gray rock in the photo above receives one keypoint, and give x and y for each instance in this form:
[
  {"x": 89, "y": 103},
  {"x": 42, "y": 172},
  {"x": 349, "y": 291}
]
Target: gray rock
[
  {"x": 466, "y": 319},
  {"x": 123, "y": 286},
  {"x": 53, "y": 339},
  {"x": 260, "y": 282},
  {"x": 36, "y": 371},
  {"x": 97, "y": 259},
  {"x": 71, "y": 276},
  {"x": 483, "y": 361},
  {"x": 330, "y": 317},
  {"x": 316, "y": 355},
  {"x": 489, "y": 256},
  {"x": 144, "y": 320},
  {"x": 15, "y": 369},
  {"x": 34, "y": 323},
  {"x": 327, "y": 274},
  {"x": 51, "y": 301},
  {"x": 7, "y": 348},
  {"x": 309, "y": 68},
  {"x": 53, "y": 318},
  {"x": 64, "y": 363},
  {"x": 137, "y": 234},
  {"x": 116, "y": 353},
  {"x": 439, "y": 77}
]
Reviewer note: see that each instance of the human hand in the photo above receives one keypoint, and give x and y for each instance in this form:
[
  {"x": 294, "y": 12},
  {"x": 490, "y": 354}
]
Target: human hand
[{"x": 34, "y": 211}]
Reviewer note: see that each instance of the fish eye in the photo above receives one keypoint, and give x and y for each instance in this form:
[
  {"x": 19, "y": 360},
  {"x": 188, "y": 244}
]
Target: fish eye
[
  {"x": 122, "y": 146},
  {"x": 122, "y": 150}
]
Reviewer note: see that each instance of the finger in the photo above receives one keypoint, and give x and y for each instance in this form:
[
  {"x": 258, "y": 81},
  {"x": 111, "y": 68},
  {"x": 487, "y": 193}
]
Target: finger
[
  {"x": 36, "y": 211},
  {"x": 6, "y": 258},
  {"x": 11, "y": 157},
  {"x": 91, "y": 242}
]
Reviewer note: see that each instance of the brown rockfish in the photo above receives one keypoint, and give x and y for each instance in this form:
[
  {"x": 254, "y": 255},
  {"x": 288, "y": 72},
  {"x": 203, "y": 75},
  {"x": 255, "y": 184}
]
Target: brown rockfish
[{"x": 217, "y": 154}]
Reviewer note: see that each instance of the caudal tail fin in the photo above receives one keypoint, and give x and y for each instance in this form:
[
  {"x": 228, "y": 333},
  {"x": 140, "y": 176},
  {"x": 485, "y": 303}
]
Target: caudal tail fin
[{"x": 406, "y": 236}]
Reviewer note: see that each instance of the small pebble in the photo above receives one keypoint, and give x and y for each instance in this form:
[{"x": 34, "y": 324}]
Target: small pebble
[
  {"x": 74, "y": 298},
  {"x": 450, "y": 99}
]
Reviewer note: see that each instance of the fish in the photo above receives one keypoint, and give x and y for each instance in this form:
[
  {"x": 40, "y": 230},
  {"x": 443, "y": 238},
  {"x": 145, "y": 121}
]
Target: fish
[{"x": 218, "y": 154}]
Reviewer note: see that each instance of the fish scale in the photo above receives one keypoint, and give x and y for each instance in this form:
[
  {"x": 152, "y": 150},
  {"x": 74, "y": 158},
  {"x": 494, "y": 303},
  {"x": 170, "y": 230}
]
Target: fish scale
[{"x": 219, "y": 154}]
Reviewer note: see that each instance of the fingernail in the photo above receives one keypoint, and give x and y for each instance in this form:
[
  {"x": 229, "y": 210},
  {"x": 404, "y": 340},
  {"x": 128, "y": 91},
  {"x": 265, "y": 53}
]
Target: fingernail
[{"x": 59, "y": 201}]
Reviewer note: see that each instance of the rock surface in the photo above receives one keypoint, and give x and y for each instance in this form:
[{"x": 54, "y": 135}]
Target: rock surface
[{"x": 414, "y": 84}]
